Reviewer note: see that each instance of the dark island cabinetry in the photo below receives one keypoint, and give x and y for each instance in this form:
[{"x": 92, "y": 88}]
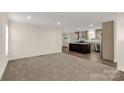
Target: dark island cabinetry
[{"x": 80, "y": 47}]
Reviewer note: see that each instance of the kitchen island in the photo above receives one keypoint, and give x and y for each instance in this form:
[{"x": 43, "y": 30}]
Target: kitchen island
[{"x": 80, "y": 47}]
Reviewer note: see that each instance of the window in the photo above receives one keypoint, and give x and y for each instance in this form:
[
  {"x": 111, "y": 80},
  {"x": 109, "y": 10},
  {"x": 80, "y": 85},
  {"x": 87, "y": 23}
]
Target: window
[{"x": 91, "y": 35}]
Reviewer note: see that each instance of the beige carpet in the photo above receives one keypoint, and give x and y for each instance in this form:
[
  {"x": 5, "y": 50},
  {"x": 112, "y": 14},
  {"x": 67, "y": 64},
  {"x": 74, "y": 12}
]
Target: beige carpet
[{"x": 57, "y": 67}]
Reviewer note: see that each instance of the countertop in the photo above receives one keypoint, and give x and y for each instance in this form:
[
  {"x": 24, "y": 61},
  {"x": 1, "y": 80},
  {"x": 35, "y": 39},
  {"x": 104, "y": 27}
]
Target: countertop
[{"x": 80, "y": 43}]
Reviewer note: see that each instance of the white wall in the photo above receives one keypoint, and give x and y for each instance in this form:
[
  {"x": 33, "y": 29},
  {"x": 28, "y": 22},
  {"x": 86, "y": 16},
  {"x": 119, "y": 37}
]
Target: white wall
[
  {"x": 28, "y": 40},
  {"x": 120, "y": 41},
  {"x": 3, "y": 56},
  {"x": 115, "y": 39}
]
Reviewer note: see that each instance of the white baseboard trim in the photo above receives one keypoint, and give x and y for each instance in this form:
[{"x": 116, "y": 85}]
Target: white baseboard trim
[
  {"x": 3, "y": 67},
  {"x": 11, "y": 59},
  {"x": 120, "y": 68}
]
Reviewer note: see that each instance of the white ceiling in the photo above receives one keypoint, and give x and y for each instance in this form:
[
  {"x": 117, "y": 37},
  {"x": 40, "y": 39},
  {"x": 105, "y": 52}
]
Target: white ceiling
[{"x": 70, "y": 21}]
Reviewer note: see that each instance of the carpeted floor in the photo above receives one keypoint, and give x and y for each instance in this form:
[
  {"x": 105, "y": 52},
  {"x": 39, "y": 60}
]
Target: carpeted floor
[{"x": 57, "y": 67}]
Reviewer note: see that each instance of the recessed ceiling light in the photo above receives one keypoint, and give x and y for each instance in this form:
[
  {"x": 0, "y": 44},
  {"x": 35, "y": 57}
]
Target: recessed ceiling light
[
  {"x": 58, "y": 23},
  {"x": 29, "y": 17},
  {"x": 91, "y": 25}
]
